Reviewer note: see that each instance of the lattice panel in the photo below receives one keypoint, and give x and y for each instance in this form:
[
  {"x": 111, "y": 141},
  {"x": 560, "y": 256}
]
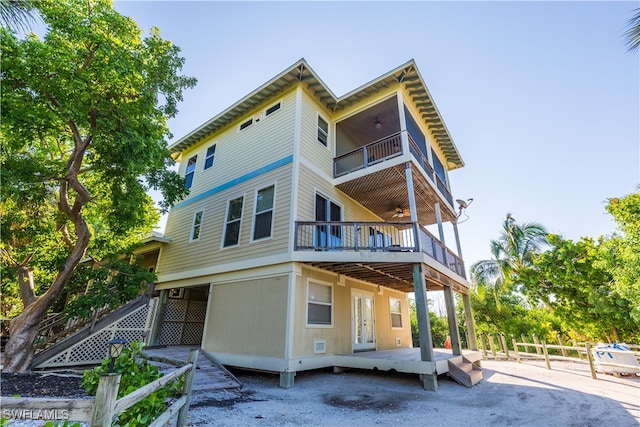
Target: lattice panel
[
  {"x": 175, "y": 310},
  {"x": 170, "y": 334},
  {"x": 192, "y": 334},
  {"x": 197, "y": 311},
  {"x": 93, "y": 349}
]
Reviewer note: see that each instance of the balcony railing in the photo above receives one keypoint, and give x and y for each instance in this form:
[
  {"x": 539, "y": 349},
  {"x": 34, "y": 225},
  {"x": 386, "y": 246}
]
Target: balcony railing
[
  {"x": 368, "y": 155},
  {"x": 374, "y": 237}
]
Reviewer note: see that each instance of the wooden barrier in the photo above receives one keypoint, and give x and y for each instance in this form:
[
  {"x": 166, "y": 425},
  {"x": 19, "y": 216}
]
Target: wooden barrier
[{"x": 99, "y": 412}]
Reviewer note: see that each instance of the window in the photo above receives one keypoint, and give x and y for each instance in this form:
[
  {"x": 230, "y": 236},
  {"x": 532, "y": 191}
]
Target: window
[
  {"x": 323, "y": 131},
  {"x": 232, "y": 225},
  {"x": 246, "y": 124},
  {"x": 197, "y": 225},
  {"x": 272, "y": 109},
  {"x": 395, "y": 306},
  {"x": 319, "y": 304},
  {"x": 264, "y": 213},
  {"x": 211, "y": 154},
  {"x": 190, "y": 172},
  {"x": 326, "y": 211}
]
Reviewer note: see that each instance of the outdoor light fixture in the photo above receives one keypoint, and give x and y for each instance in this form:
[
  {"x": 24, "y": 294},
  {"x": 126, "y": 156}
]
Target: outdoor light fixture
[
  {"x": 377, "y": 124},
  {"x": 115, "y": 349}
]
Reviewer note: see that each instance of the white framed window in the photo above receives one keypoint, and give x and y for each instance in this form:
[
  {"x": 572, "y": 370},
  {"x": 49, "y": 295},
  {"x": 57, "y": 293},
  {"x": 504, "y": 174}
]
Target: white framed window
[
  {"x": 395, "y": 308},
  {"x": 263, "y": 218},
  {"x": 323, "y": 131},
  {"x": 196, "y": 227},
  {"x": 233, "y": 222},
  {"x": 190, "y": 171},
  {"x": 208, "y": 159},
  {"x": 275, "y": 107},
  {"x": 319, "y": 304}
]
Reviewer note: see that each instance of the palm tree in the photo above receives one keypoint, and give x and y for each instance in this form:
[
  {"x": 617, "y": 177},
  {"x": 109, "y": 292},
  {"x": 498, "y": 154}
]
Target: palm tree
[
  {"x": 512, "y": 252},
  {"x": 17, "y": 14},
  {"x": 633, "y": 32}
]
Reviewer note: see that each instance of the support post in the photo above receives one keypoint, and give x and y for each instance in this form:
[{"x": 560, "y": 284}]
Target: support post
[
  {"x": 483, "y": 338},
  {"x": 186, "y": 388},
  {"x": 472, "y": 343},
  {"x": 561, "y": 342},
  {"x": 546, "y": 354},
  {"x": 158, "y": 318},
  {"x": 523, "y": 337},
  {"x": 515, "y": 349},
  {"x": 105, "y": 402},
  {"x": 492, "y": 345},
  {"x": 286, "y": 379},
  {"x": 505, "y": 347},
  {"x": 454, "y": 333},
  {"x": 536, "y": 341},
  {"x": 590, "y": 359},
  {"x": 429, "y": 381}
]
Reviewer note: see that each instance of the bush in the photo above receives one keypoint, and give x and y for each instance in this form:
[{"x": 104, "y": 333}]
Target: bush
[{"x": 136, "y": 372}]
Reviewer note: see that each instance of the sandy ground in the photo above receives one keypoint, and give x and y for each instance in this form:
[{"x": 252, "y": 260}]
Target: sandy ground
[{"x": 511, "y": 394}]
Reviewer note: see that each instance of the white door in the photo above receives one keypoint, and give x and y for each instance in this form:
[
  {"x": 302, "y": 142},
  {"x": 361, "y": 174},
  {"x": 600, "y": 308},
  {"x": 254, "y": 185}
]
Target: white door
[{"x": 363, "y": 322}]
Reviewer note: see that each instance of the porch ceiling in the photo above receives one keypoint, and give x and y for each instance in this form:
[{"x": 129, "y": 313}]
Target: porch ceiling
[
  {"x": 397, "y": 276},
  {"x": 382, "y": 192}
]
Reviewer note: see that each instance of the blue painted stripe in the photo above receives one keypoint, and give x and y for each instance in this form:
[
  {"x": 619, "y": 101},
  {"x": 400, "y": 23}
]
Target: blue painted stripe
[{"x": 239, "y": 180}]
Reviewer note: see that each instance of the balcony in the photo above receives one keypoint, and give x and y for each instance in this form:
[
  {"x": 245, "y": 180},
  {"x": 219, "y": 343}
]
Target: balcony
[{"x": 376, "y": 237}]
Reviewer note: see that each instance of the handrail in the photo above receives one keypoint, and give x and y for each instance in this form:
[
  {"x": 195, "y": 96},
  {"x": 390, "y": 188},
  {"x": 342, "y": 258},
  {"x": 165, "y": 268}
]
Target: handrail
[
  {"x": 370, "y": 154},
  {"x": 374, "y": 237}
]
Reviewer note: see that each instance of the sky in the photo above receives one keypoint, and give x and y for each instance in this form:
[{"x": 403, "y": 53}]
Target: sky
[{"x": 542, "y": 99}]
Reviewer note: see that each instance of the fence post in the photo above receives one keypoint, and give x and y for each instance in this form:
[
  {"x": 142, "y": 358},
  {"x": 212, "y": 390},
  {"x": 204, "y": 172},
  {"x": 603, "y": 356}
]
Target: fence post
[
  {"x": 546, "y": 354},
  {"x": 523, "y": 337},
  {"x": 492, "y": 345},
  {"x": 515, "y": 349},
  {"x": 186, "y": 388},
  {"x": 483, "y": 339},
  {"x": 537, "y": 342},
  {"x": 505, "y": 348},
  {"x": 105, "y": 402},
  {"x": 575, "y": 344},
  {"x": 590, "y": 359},
  {"x": 561, "y": 342}
]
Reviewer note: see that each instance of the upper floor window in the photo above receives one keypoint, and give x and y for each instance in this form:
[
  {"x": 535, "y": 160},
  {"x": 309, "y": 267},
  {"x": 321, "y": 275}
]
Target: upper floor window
[
  {"x": 323, "y": 131},
  {"x": 272, "y": 109},
  {"x": 196, "y": 226},
  {"x": 395, "y": 306},
  {"x": 211, "y": 153},
  {"x": 190, "y": 172},
  {"x": 246, "y": 124},
  {"x": 319, "y": 304},
  {"x": 438, "y": 167},
  {"x": 263, "y": 221},
  {"x": 232, "y": 223}
]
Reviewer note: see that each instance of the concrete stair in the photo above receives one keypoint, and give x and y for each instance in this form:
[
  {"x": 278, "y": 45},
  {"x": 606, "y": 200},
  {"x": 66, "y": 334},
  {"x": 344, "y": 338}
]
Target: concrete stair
[{"x": 464, "y": 372}]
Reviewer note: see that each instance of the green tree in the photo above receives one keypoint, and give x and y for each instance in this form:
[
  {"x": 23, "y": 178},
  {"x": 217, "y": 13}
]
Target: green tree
[
  {"x": 17, "y": 14},
  {"x": 570, "y": 279},
  {"x": 511, "y": 253},
  {"x": 621, "y": 253},
  {"x": 439, "y": 326},
  {"x": 632, "y": 33},
  {"x": 84, "y": 114}
]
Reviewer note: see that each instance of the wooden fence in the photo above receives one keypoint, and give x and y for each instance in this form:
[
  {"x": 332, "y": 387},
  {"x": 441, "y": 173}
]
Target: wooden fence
[
  {"x": 100, "y": 412},
  {"x": 578, "y": 352}
]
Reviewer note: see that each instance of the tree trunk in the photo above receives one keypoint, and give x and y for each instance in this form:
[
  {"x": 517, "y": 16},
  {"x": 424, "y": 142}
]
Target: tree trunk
[{"x": 23, "y": 331}]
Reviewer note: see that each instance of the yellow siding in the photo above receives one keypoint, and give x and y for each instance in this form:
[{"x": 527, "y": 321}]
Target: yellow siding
[
  {"x": 310, "y": 183},
  {"x": 240, "y": 152},
  {"x": 248, "y": 318},
  {"x": 310, "y": 147},
  {"x": 182, "y": 255},
  {"x": 338, "y": 337}
]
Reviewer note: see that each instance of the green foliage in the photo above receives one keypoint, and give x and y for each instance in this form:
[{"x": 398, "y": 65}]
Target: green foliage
[
  {"x": 59, "y": 424},
  {"x": 136, "y": 372},
  {"x": 439, "y": 327}
]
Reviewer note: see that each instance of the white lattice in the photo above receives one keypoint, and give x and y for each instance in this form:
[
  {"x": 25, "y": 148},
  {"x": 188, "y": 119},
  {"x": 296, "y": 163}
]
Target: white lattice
[
  {"x": 175, "y": 310},
  {"x": 192, "y": 333},
  {"x": 93, "y": 349},
  {"x": 197, "y": 311},
  {"x": 170, "y": 334}
]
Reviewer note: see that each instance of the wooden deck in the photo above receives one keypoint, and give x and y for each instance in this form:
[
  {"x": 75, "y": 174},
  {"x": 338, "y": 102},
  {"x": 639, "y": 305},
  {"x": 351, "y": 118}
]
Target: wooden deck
[
  {"x": 210, "y": 375},
  {"x": 403, "y": 360}
]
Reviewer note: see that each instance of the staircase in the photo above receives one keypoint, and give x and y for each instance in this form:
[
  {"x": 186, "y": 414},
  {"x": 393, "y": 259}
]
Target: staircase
[{"x": 464, "y": 372}]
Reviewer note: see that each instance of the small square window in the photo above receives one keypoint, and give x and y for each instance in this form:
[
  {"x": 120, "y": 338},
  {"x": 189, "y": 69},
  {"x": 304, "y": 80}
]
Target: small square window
[
  {"x": 211, "y": 154},
  {"x": 323, "y": 131},
  {"x": 190, "y": 172}
]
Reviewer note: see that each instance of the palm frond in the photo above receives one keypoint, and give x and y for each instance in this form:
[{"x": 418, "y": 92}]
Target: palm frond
[
  {"x": 17, "y": 14},
  {"x": 633, "y": 32}
]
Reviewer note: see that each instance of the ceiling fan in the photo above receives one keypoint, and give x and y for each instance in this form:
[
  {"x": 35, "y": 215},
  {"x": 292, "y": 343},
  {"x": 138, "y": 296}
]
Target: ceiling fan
[{"x": 400, "y": 213}]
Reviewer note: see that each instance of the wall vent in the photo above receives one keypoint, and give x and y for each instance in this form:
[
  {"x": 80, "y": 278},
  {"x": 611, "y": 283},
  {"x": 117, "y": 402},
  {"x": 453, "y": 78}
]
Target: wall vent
[
  {"x": 319, "y": 346},
  {"x": 398, "y": 342}
]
